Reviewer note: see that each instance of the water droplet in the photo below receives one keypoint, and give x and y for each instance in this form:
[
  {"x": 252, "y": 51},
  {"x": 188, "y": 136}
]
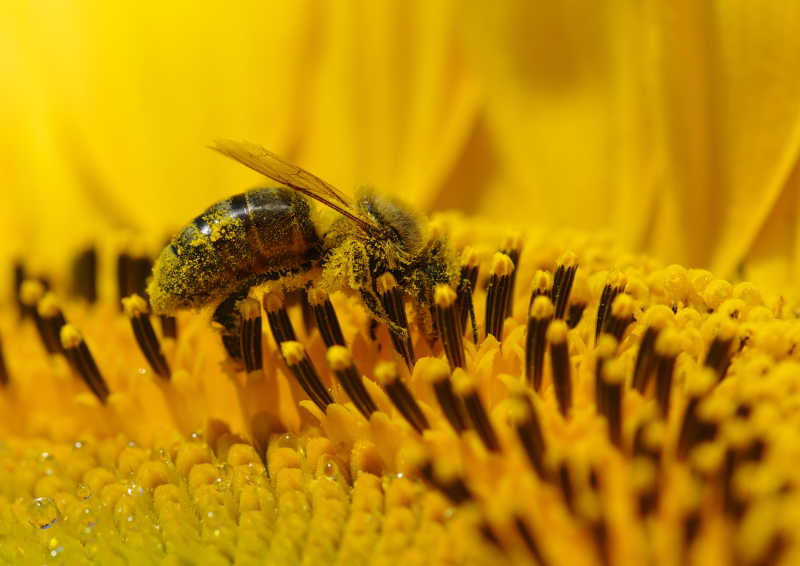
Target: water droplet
[
  {"x": 331, "y": 470},
  {"x": 87, "y": 519},
  {"x": 42, "y": 513},
  {"x": 83, "y": 491},
  {"x": 287, "y": 441}
]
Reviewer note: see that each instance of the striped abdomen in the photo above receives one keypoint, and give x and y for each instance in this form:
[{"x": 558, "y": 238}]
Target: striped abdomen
[{"x": 264, "y": 231}]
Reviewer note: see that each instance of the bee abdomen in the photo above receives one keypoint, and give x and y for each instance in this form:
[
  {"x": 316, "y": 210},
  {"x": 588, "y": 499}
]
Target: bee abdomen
[{"x": 264, "y": 231}]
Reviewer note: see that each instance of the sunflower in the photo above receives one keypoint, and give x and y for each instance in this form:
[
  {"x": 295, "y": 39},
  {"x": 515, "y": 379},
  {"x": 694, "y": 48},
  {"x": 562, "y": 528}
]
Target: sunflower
[{"x": 559, "y": 400}]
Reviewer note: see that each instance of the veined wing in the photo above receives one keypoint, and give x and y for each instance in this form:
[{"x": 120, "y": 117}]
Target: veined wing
[{"x": 267, "y": 163}]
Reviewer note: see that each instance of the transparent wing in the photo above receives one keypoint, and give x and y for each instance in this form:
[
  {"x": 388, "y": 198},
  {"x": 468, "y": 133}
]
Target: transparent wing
[{"x": 267, "y": 163}]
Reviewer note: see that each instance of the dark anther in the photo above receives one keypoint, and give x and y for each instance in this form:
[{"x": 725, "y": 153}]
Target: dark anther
[
  {"x": 31, "y": 293},
  {"x": 391, "y": 298},
  {"x": 141, "y": 269},
  {"x": 466, "y": 286},
  {"x": 529, "y": 430},
  {"x": 341, "y": 362},
  {"x": 327, "y": 321},
  {"x": 609, "y": 379},
  {"x": 498, "y": 294},
  {"x": 125, "y": 284},
  {"x": 84, "y": 274},
  {"x": 540, "y": 315},
  {"x": 169, "y": 326},
  {"x": 466, "y": 388},
  {"x": 667, "y": 347},
  {"x": 559, "y": 357},
  {"x": 82, "y": 362},
  {"x": 694, "y": 429},
  {"x": 452, "y": 407},
  {"x": 250, "y": 341},
  {"x": 304, "y": 372},
  {"x": 137, "y": 311},
  {"x": 49, "y": 315},
  {"x": 620, "y": 316},
  {"x": 445, "y": 310},
  {"x": 386, "y": 375},
  {"x": 565, "y": 483},
  {"x": 610, "y": 292},
  {"x": 513, "y": 249},
  {"x": 529, "y": 540},
  {"x": 3, "y": 368},
  {"x": 575, "y": 314},
  {"x": 278, "y": 318},
  {"x": 719, "y": 353},
  {"x": 19, "y": 279},
  {"x": 307, "y": 310},
  {"x": 562, "y": 283},
  {"x": 645, "y": 360},
  {"x": 542, "y": 286},
  {"x": 446, "y": 481}
]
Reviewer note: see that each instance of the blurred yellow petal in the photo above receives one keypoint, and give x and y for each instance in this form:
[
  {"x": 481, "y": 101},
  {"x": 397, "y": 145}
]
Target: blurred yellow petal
[
  {"x": 568, "y": 114},
  {"x": 392, "y": 105},
  {"x": 731, "y": 119},
  {"x": 676, "y": 125}
]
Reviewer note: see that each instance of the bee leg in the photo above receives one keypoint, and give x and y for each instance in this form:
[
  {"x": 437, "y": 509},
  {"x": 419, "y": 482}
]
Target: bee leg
[
  {"x": 399, "y": 334},
  {"x": 375, "y": 307},
  {"x": 229, "y": 318}
]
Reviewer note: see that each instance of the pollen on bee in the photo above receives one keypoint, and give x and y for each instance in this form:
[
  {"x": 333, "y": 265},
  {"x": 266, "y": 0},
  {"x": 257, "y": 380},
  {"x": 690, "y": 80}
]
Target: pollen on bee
[
  {"x": 386, "y": 375},
  {"x": 341, "y": 362},
  {"x": 82, "y": 362}
]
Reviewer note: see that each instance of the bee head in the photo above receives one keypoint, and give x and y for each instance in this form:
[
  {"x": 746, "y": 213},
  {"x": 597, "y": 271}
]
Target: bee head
[{"x": 397, "y": 222}]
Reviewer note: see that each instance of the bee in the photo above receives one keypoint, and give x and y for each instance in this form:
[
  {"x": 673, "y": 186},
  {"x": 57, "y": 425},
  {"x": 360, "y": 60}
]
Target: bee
[{"x": 274, "y": 234}]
